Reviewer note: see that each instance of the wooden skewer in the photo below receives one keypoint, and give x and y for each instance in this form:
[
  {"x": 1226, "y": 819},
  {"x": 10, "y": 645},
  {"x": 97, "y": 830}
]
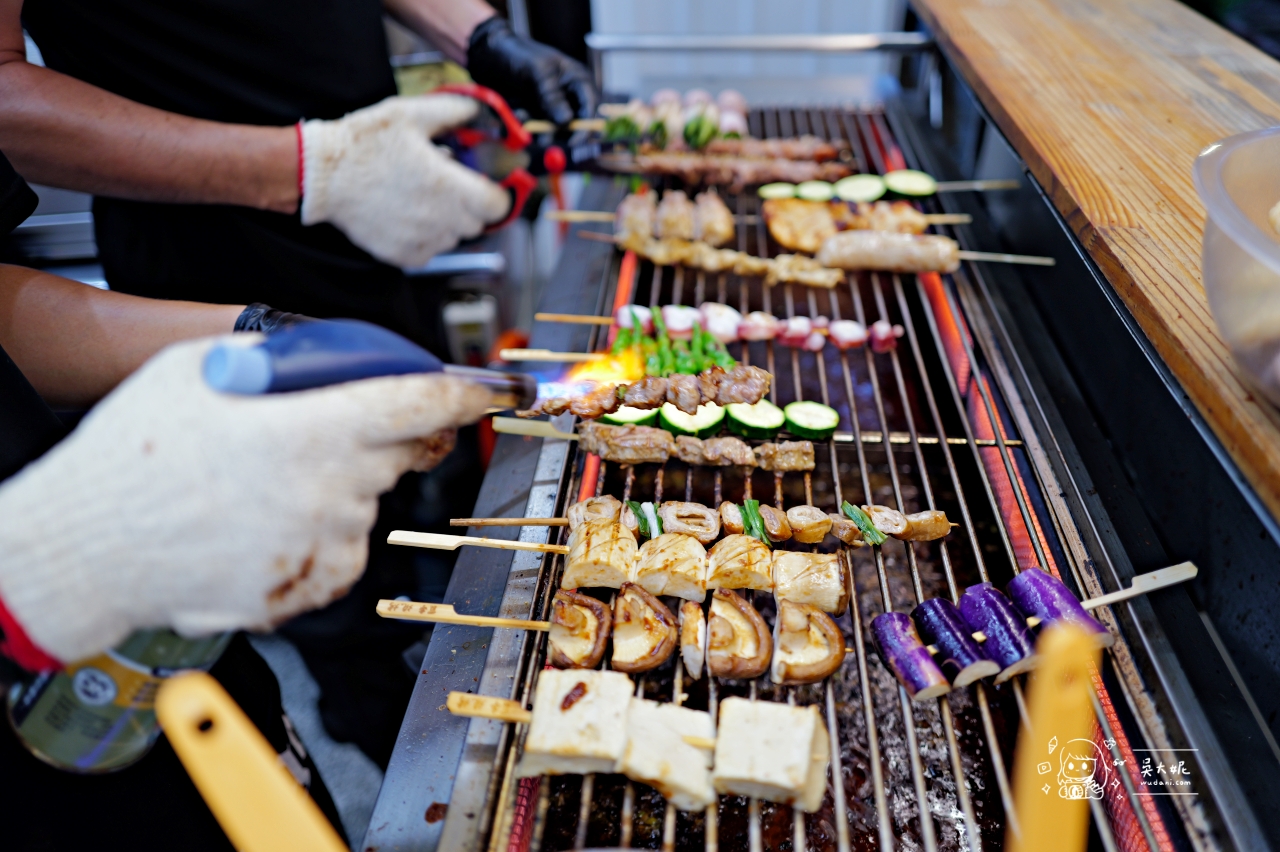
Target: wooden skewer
[
  {"x": 580, "y": 319},
  {"x": 508, "y": 522},
  {"x": 977, "y": 185},
  {"x": 548, "y": 355},
  {"x": 997, "y": 257},
  {"x": 538, "y": 125},
  {"x": 987, "y": 256},
  {"x": 438, "y": 541},
  {"x": 532, "y": 428},
  {"x": 1142, "y": 584},
  {"x": 578, "y": 217},
  {"x": 506, "y": 710},
  {"x": 445, "y": 614}
]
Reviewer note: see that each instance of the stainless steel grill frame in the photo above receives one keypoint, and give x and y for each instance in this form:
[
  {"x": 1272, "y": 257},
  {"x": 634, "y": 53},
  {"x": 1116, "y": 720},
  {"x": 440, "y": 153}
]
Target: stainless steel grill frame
[{"x": 903, "y": 398}]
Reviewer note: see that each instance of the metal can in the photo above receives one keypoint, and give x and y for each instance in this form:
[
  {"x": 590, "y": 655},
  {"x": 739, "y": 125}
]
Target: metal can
[{"x": 98, "y": 715}]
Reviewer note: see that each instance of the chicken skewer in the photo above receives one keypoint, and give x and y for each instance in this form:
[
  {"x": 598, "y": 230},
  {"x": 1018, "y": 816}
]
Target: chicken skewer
[{"x": 579, "y": 217}]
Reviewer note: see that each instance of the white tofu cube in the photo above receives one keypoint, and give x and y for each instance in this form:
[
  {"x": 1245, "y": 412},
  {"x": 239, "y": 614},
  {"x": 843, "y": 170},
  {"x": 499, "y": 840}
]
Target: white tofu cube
[
  {"x": 672, "y": 564},
  {"x": 602, "y": 554},
  {"x": 579, "y": 723},
  {"x": 810, "y": 578},
  {"x": 772, "y": 751},
  {"x": 657, "y": 755}
]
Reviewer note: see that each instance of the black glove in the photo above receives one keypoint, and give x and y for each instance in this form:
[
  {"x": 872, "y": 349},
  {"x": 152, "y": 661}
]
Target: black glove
[
  {"x": 534, "y": 76},
  {"x": 266, "y": 319}
]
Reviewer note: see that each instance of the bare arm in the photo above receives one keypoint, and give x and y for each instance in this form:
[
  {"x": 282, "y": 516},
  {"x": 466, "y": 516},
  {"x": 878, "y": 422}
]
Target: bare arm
[
  {"x": 74, "y": 343},
  {"x": 445, "y": 23},
  {"x": 62, "y": 132}
]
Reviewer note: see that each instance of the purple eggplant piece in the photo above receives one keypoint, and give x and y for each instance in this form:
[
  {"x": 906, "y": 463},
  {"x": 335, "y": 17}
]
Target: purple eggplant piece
[
  {"x": 959, "y": 656},
  {"x": 985, "y": 609},
  {"x": 1043, "y": 596},
  {"x": 907, "y": 657}
]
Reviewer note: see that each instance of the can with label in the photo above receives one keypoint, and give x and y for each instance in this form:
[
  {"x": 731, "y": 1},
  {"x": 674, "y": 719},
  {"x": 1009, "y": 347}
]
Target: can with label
[{"x": 98, "y": 715}]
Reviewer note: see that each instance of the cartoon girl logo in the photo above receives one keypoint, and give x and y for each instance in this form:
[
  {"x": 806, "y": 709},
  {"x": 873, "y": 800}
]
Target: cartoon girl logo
[{"x": 1082, "y": 770}]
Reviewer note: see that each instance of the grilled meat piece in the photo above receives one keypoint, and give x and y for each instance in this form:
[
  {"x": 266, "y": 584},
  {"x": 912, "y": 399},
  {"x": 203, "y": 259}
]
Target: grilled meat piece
[
  {"x": 712, "y": 221},
  {"x": 742, "y": 384},
  {"x": 674, "y": 217},
  {"x": 672, "y": 564},
  {"x": 800, "y": 225},
  {"x": 690, "y": 450},
  {"x": 580, "y": 627},
  {"x": 799, "y": 269},
  {"x": 649, "y": 392},
  {"x": 666, "y": 252},
  {"x": 634, "y": 220},
  {"x": 776, "y": 526},
  {"x": 890, "y": 252},
  {"x": 727, "y": 451},
  {"x": 736, "y": 172},
  {"x": 925, "y": 526},
  {"x": 644, "y": 630},
  {"x": 846, "y": 530},
  {"x": 750, "y": 266},
  {"x": 888, "y": 521},
  {"x": 785, "y": 456},
  {"x": 809, "y": 525},
  {"x": 554, "y": 406},
  {"x": 731, "y": 518},
  {"x": 626, "y": 444},
  {"x": 600, "y": 400},
  {"x": 711, "y": 259},
  {"x": 691, "y": 519},
  {"x": 683, "y": 392},
  {"x": 604, "y": 508},
  {"x": 898, "y": 217},
  {"x": 709, "y": 382},
  {"x": 805, "y": 147}
]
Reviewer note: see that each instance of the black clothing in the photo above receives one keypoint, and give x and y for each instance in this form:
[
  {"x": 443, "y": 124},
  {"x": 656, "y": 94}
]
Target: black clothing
[
  {"x": 240, "y": 61},
  {"x": 243, "y": 61}
]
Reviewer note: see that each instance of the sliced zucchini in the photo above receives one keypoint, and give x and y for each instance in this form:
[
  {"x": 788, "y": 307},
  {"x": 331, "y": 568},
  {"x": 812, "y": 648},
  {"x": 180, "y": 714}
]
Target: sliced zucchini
[
  {"x": 812, "y": 421},
  {"x": 701, "y": 425},
  {"x": 815, "y": 190},
  {"x": 777, "y": 190},
  {"x": 628, "y": 416},
  {"x": 866, "y": 188},
  {"x": 911, "y": 183},
  {"x": 762, "y": 420}
]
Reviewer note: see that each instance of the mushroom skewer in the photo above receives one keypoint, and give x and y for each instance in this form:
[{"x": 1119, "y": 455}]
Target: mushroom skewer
[
  {"x": 807, "y": 645},
  {"x": 644, "y": 630},
  {"x": 739, "y": 644}
]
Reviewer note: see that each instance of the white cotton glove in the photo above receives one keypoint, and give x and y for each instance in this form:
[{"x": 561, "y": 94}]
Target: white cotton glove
[
  {"x": 375, "y": 174},
  {"x": 175, "y": 505}
]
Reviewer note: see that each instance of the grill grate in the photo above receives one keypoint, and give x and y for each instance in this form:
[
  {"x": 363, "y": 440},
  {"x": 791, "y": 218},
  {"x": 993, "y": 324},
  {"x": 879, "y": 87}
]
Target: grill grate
[{"x": 930, "y": 775}]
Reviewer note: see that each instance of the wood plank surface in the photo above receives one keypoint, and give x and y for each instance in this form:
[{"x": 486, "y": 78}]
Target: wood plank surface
[{"x": 1109, "y": 102}]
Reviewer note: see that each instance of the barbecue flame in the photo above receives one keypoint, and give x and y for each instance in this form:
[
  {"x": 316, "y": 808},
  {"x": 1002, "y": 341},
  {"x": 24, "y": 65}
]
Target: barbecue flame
[{"x": 627, "y": 366}]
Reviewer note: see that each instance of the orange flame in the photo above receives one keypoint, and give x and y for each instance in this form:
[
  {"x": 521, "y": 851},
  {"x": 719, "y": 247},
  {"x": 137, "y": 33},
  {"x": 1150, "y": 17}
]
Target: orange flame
[{"x": 627, "y": 366}]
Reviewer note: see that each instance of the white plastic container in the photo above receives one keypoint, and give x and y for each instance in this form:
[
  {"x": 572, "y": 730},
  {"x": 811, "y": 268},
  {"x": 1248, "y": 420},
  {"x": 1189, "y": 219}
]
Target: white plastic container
[{"x": 1239, "y": 181}]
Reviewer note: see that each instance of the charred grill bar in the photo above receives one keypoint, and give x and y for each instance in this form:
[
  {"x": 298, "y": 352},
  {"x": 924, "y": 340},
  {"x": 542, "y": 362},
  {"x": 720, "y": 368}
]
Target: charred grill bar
[{"x": 932, "y": 774}]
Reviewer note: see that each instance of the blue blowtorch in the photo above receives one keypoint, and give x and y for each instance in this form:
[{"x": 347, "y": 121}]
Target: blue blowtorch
[{"x": 329, "y": 352}]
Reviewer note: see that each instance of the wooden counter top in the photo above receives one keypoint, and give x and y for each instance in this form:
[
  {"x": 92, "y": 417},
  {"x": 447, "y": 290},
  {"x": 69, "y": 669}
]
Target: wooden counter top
[{"x": 1109, "y": 102}]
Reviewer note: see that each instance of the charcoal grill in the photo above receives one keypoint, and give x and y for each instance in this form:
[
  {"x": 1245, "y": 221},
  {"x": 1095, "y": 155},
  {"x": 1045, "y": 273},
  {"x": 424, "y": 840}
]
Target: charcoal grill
[{"x": 937, "y": 423}]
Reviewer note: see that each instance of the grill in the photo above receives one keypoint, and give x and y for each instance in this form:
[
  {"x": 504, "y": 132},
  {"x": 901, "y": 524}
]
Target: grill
[
  {"x": 932, "y": 424},
  {"x": 936, "y": 423}
]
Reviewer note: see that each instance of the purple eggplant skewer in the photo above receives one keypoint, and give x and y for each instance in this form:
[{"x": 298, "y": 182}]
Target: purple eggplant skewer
[
  {"x": 961, "y": 658},
  {"x": 1040, "y": 595},
  {"x": 907, "y": 657},
  {"x": 1006, "y": 638}
]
